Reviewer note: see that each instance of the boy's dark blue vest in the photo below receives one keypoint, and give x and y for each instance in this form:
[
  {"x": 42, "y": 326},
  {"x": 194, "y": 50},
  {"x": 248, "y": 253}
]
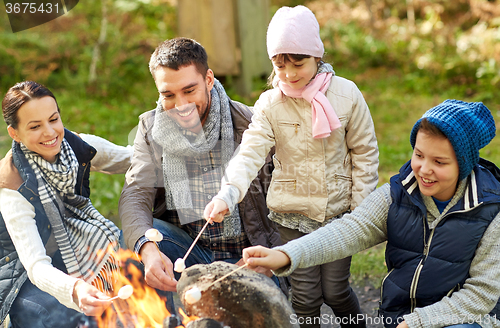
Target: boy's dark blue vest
[
  {"x": 424, "y": 265},
  {"x": 12, "y": 273}
]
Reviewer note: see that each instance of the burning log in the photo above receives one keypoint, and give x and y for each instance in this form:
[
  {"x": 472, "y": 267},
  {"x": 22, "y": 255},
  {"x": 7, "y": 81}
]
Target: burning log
[
  {"x": 172, "y": 322},
  {"x": 245, "y": 299}
]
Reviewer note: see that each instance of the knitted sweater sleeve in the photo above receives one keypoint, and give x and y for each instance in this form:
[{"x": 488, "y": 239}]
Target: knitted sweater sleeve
[
  {"x": 19, "y": 215},
  {"x": 479, "y": 294},
  {"x": 250, "y": 156},
  {"x": 363, "y": 228}
]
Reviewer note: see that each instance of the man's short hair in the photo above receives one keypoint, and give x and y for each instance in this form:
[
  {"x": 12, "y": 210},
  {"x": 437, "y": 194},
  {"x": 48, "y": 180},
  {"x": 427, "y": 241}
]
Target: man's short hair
[{"x": 177, "y": 53}]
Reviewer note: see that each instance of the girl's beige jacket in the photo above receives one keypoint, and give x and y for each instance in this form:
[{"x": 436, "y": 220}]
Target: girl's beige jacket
[{"x": 319, "y": 178}]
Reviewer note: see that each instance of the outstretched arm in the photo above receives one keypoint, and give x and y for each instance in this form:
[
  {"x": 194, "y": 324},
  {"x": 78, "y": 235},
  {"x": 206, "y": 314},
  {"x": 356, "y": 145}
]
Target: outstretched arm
[
  {"x": 268, "y": 258},
  {"x": 110, "y": 158}
]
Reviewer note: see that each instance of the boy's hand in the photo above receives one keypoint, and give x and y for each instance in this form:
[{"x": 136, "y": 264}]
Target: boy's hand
[
  {"x": 215, "y": 210},
  {"x": 402, "y": 325},
  {"x": 265, "y": 257},
  {"x": 257, "y": 269}
]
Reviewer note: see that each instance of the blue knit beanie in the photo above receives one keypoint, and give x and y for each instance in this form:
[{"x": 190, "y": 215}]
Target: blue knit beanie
[{"x": 468, "y": 126}]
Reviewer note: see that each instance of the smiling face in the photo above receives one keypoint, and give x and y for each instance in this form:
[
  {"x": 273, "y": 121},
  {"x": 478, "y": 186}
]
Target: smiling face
[
  {"x": 185, "y": 95},
  {"x": 435, "y": 166},
  {"x": 295, "y": 73},
  {"x": 40, "y": 127}
]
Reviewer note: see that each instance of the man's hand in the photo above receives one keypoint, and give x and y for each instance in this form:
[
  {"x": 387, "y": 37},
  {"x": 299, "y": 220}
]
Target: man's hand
[
  {"x": 89, "y": 299},
  {"x": 156, "y": 275},
  {"x": 215, "y": 210},
  {"x": 268, "y": 258}
]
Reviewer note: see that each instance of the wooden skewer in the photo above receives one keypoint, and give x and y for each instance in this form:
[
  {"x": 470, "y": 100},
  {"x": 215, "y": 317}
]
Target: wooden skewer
[
  {"x": 165, "y": 264},
  {"x": 230, "y": 273},
  {"x": 194, "y": 241}
]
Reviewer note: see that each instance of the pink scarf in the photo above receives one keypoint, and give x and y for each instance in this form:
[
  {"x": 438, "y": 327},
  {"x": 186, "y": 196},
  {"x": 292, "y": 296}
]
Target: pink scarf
[{"x": 324, "y": 118}]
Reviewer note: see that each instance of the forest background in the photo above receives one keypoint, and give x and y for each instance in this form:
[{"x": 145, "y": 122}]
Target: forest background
[{"x": 405, "y": 56}]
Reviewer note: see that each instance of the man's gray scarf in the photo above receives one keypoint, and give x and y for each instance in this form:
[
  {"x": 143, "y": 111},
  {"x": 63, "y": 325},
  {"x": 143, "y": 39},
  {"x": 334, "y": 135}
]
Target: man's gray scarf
[
  {"x": 176, "y": 147},
  {"x": 82, "y": 234}
]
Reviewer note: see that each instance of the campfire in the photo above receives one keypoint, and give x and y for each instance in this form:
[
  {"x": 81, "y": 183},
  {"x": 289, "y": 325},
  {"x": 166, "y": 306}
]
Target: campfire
[
  {"x": 242, "y": 299},
  {"x": 144, "y": 308}
]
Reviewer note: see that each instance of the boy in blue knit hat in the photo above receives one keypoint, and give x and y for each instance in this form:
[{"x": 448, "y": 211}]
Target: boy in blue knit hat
[{"x": 440, "y": 217}]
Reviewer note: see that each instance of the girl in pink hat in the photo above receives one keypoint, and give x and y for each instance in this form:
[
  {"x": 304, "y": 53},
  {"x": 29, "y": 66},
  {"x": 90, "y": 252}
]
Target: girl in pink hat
[{"x": 326, "y": 158}]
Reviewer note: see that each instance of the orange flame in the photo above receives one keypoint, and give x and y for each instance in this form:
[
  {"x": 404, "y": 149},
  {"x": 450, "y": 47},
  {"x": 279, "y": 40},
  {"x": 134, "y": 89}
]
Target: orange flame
[
  {"x": 145, "y": 308},
  {"x": 186, "y": 318}
]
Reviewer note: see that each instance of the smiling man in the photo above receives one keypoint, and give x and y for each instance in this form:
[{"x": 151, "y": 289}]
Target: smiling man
[{"x": 180, "y": 152}]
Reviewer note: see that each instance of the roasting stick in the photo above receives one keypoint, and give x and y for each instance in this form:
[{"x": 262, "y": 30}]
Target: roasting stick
[
  {"x": 124, "y": 293},
  {"x": 230, "y": 273},
  {"x": 180, "y": 264},
  {"x": 194, "y": 241},
  {"x": 165, "y": 264},
  {"x": 193, "y": 295}
]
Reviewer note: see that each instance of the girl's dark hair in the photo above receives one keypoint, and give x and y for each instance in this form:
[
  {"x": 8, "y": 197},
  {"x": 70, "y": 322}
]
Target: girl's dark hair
[
  {"x": 427, "y": 127},
  {"x": 287, "y": 58},
  {"x": 20, "y": 94}
]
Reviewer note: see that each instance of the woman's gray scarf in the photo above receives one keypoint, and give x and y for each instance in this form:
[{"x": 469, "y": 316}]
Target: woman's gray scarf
[
  {"x": 82, "y": 234},
  {"x": 176, "y": 147}
]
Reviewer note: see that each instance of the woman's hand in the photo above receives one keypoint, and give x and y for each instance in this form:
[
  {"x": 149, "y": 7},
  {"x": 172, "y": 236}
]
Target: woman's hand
[
  {"x": 268, "y": 258},
  {"x": 89, "y": 299},
  {"x": 215, "y": 210}
]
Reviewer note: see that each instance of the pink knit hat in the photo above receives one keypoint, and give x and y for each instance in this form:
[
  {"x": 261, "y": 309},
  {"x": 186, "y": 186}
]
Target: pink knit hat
[{"x": 294, "y": 31}]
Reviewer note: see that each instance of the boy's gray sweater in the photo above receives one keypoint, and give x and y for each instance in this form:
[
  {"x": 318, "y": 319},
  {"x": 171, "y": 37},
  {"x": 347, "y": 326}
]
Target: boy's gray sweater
[{"x": 366, "y": 226}]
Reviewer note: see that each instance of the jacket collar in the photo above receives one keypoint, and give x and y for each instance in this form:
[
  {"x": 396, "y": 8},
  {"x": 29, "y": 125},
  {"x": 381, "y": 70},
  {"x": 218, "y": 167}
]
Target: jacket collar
[{"x": 482, "y": 185}]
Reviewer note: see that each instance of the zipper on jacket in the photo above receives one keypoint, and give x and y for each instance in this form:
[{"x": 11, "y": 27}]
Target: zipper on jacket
[
  {"x": 455, "y": 288},
  {"x": 427, "y": 245},
  {"x": 295, "y": 125},
  {"x": 416, "y": 275},
  {"x": 382, "y": 286}
]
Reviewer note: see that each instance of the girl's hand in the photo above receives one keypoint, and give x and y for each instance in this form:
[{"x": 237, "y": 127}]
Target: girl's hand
[
  {"x": 265, "y": 257},
  {"x": 215, "y": 210},
  {"x": 90, "y": 300}
]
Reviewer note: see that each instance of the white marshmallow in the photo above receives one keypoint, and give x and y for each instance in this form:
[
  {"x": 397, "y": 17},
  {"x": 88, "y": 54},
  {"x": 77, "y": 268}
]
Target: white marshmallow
[
  {"x": 153, "y": 235},
  {"x": 193, "y": 295},
  {"x": 125, "y": 292},
  {"x": 179, "y": 265}
]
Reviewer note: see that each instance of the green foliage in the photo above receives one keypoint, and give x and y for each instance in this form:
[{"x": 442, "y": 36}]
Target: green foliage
[
  {"x": 451, "y": 44},
  {"x": 369, "y": 266}
]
